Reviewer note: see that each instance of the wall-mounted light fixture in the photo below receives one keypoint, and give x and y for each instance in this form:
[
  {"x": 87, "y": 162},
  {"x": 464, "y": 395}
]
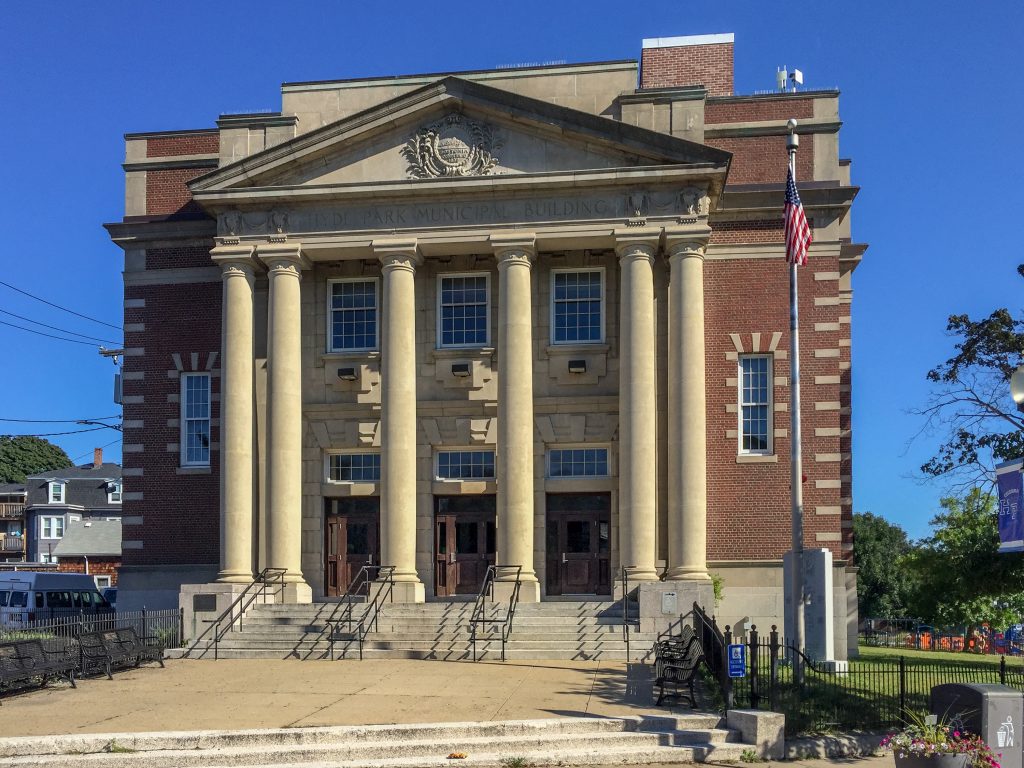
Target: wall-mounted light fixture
[
  {"x": 460, "y": 369},
  {"x": 577, "y": 366},
  {"x": 347, "y": 374}
]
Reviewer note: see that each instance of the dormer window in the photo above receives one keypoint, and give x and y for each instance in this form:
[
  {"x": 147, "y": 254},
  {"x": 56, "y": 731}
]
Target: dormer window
[
  {"x": 56, "y": 492},
  {"x": 114, "y": 492}
]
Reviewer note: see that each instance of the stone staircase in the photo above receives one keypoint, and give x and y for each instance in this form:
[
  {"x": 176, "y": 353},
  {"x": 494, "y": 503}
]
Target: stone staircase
[
  {"x": 581, "y": 630},
  {"x": 637, "y": 740}
]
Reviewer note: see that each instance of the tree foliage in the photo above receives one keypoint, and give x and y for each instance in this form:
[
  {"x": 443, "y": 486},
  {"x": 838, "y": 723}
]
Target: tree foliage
[
  {"x": 971, "y": 403},
  {"x": 24, "y": 455},
  {"x": 879, "y": 547},
  {"x": 961, "y": 578}
]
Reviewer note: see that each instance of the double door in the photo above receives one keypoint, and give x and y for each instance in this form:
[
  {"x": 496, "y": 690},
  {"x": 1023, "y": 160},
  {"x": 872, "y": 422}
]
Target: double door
[
  {"x": 352, "y": 532},
  {"x": 464, "y": 543},
  {"x": 577, "y": 538}
]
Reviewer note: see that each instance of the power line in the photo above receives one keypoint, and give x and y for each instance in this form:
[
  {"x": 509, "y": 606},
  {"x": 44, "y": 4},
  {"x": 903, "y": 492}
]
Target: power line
[
  {"x": 58, "y": 306},
  {"x": 55, "y": 328},
  {"x": 48, "y": 335},
  {"x": 60, "y": 421},
  {"x": 90, "y": 453},
  {"x": 54, "y": 434}
]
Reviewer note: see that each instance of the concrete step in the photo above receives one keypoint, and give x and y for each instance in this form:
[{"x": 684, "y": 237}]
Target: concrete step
[{"x": 561, "y": 741}]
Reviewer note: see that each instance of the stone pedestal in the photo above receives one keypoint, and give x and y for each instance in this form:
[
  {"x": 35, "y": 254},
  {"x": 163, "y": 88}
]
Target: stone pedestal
[
  {"x": 202, "y": 604},
  {"x": 663, "y": 602}
]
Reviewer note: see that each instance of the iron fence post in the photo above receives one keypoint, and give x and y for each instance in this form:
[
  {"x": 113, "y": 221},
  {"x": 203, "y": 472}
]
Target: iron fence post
[
  {"x": 144, "y": 632},
  {"x": 773, "y": 672},
  {"x": 181, "y": 626},
  {"x": 723, "y": 674},
  {"x": 1002, "y": 670},
  {"x": 903, "y": 688},
  {"x": 754, "y": 647}
]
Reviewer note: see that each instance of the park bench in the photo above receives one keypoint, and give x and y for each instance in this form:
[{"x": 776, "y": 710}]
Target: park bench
[
  {"x": 21, "y": 661},
  {"x": 114, "y": 647},
  {"x": 676, "y": 662}
]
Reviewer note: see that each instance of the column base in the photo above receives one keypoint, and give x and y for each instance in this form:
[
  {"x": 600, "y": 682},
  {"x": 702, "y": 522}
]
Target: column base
[
  {"x": 638, "y": 573},
  {"x": 234, "y": 577},
  {"x": 408, "y": 592},
  {"x": 685, "y": 573},
  {"x": 529, "y": 590}
]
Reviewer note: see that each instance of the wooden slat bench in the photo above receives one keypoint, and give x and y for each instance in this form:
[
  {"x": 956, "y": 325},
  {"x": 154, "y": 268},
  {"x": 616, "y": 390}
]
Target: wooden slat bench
[{"x": 114, "y": 647}]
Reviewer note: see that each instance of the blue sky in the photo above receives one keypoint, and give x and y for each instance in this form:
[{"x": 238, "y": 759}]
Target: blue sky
[{"x": 930, "y": 102}]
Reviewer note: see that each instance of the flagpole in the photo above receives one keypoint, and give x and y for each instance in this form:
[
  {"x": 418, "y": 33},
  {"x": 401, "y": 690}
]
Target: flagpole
[{"x": 796, "y": 457}]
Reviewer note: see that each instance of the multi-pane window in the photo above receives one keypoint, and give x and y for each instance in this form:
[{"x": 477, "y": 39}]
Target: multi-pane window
[
  {"x": 353, "y": 315},
  {"x": 56, "y": 495},
  {"x": 195, "y": 419},
  {"x": 755, "y": 403},
  {"x": 462, "y": 311},
  {"x": 51, "y": 527},
  {"x": 578, "y": 462},
  {"x": 465, "y": 465},
  {"x": 577, "y": 306},
  {"x": 353, "y": 467},
  {"x": 114, "y": 492}
]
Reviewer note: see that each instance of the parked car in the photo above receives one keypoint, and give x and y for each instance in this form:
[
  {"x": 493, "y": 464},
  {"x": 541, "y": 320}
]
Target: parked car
[
  {"x": 110, "y": 595},
  {"x": 27, "y": 597}
]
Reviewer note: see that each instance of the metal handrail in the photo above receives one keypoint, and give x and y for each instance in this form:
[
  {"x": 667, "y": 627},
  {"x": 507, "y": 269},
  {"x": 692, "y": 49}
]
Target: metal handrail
[
  {"x": 715, "y": 649},
  {"x": 479, "y": 615},
  {"x": 625, "y": 610},
  {"x": 264, "y": 580},
  {"x": 383, "y": 575}
]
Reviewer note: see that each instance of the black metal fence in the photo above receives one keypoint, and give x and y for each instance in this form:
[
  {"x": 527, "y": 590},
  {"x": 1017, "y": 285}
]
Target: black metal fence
[
  {"x": 56, "y": 632},
  {"x": 860, "y": 693}
]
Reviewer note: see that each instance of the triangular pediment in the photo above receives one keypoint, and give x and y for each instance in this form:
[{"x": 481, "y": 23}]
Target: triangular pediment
[{"x": 453, "y": 130}]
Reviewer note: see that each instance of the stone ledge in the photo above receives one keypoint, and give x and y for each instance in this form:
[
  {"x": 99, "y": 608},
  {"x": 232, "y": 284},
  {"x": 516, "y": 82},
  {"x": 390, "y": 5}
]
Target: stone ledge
[{"x": 853, "y": 744}]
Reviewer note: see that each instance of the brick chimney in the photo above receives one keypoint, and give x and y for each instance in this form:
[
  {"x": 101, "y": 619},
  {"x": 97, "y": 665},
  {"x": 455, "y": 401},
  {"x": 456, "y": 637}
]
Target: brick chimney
[
  {"x": 97, "y": 458},
  {"x": 668, "y": 62}
]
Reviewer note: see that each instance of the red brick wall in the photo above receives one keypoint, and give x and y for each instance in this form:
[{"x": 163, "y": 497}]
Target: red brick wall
[
  {"x": 707, "y": 65},
  {"x": 190, "y": 144},
  {"x": 177, "y": 258},
  {"x": 749, "y": 504},
  {"x": 98, "y": 566},
  {"x": 180, "y": 511},
  {"x": 763, "y": 159},
  {"x": 166, "y": 192},
  {"x": 781, "y": 108}
]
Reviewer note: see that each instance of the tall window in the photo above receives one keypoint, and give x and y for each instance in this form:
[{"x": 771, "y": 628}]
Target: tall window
[
  {"x": 353, "y": 467},
  {"x": 578, "y": 462},
  {"x": 353, "y": 315},
  {"x": 465, "y": 465},
  {"x": 577, "y": 306},
  {"x": 195, "y": 420},
  {"x": 56, "y": 492},
  {"x": 462, "y": 310},
  {"x": 755, "y": 410},
  {"x": 51, "y": 527}
]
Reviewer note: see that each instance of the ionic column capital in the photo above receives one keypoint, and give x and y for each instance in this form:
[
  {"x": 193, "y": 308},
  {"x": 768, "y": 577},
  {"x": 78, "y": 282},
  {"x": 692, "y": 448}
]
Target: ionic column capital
[
  {"x": 283, "y": 259},
  {"x": 514, "y": 248},
  {"x": 687, "y": 242},
  {"x": 397, "y": 253},
  {"x": 637, "y": 243},
  {"x": 235, "y": 260}
]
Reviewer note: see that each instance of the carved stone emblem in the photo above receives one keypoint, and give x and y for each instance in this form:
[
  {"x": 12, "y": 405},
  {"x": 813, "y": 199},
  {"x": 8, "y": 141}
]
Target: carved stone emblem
[
  {"x": 695, "y": 202},
  {"x": 453, "y": 146},
  {"x": 278, "y": 222},
  {"x": 231, "y": 223}
]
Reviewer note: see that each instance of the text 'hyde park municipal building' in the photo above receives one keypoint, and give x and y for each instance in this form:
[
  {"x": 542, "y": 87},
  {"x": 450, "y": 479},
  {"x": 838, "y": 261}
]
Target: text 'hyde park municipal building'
[{"x": 532, "y": 317}]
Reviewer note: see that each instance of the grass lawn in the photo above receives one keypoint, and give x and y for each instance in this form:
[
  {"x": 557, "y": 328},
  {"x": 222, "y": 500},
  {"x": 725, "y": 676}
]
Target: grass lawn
[{"x": 871, "y": 654}]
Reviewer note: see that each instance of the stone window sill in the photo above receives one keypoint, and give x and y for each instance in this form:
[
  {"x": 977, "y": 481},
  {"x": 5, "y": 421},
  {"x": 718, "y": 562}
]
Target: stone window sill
[
  {"x": 757, "y": 458},
  {"x": 193, "y": 470},
  {"x": 463, "y": 353}
]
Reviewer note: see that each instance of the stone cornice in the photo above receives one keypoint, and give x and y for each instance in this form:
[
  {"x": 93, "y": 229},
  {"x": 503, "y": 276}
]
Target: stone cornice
[
  {"x": 769, "y": 128},
  {"x": 169, "y": 163}
]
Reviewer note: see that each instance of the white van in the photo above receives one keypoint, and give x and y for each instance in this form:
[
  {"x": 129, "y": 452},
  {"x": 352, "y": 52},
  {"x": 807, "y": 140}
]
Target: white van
[{"x": 27, "y": 597}]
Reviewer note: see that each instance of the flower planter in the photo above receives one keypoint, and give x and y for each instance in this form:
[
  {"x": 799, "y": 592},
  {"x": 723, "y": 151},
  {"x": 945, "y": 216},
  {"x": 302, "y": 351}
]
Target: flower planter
[{"x": 933, "y": 761}]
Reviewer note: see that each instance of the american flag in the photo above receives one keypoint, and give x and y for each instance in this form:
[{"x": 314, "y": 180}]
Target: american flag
[{"x": 798, "y": 231}]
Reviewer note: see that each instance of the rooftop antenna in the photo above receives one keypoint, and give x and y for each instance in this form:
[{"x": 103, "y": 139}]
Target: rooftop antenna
[
  {"x": 796, "y": 77},
  {"x": 781, "y": 78}
]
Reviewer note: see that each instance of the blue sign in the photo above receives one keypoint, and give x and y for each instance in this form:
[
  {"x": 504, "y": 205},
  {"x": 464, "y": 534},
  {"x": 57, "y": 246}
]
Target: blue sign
[
  {"x": 1011, "y": 514},
  {"x": 738, "y": 660}
]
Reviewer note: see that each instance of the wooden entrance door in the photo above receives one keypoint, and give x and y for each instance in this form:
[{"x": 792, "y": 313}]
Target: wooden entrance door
[
  {"x": 577, "y": 537},
  {"x": 464, "y": 543},
  {"x": 352, "y": 540}
]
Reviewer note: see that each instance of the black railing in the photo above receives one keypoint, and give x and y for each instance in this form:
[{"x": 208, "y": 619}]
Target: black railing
[
  {"x": 480, "y": 615},
  {"x": 627, "y": 621},
  {"x": 372, "y": 586},
  {"x": 166, "y": 624},
  {"x": 715, "y": 648},
  {"x": 268, "y": 579}
]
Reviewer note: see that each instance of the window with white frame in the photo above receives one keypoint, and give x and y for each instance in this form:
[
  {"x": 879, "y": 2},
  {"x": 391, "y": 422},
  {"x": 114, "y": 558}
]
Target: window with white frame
[
  {"x": 577, "y": 306},
  {"x": 56, "y": 492},
  {"x": 195, "y": 419},
  {"x": 102, "y": 582},
  {"x": 114, "y": 492},
  {"x": 353, "y": 467},
  {"x": 578, "y": 462},
  {"x": 352, "y": 315},
  {"x": 755, "y": 411},
  {"x": 51, "y": 527},
  {"x": 463, "y": 319},
  {"x": 465, "y": 465}
]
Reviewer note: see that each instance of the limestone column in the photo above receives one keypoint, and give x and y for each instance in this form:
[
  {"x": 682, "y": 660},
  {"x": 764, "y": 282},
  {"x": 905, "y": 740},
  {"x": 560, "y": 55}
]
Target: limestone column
[
  {"x": 687, "y": 415},
  {"x": 236, "y": 425},
  {"x": 515, "y": 454},
  {"x": 399, "y": 259},
  {"x": 638, "y": 410},
  {"x": 285, "y": 263}
]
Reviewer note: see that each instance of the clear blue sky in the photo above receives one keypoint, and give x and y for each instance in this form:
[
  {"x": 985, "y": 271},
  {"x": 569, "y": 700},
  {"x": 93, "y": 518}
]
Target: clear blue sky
[{"x": 932, "y": 118}]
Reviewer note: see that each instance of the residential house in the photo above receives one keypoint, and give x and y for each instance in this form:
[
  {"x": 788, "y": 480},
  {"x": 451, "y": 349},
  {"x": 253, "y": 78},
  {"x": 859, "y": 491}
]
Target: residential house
[
  {"x": 12, "y": 522},
  {"x": 93, "y": 547}
]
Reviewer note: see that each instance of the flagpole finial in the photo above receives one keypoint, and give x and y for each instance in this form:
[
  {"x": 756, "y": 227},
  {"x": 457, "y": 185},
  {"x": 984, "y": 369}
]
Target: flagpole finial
[{"x": 792, "y": 140}]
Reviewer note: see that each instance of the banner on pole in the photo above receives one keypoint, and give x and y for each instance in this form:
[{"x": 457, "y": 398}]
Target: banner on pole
[{"x": 1011, "y": 515}]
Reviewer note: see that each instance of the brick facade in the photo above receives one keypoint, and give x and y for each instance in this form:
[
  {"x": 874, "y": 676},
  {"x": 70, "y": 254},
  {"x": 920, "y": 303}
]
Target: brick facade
[
  {"x": 98, "y": 566},
  {"x": 707, "y": 65},
  {"x": 167, "y": 193},
  {"x": 188, "y": 144},
  {"x": 762, "y": 159}
]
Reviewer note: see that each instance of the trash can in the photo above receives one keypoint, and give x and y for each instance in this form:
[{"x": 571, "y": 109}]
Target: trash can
[{"x": 992, "y": 711}]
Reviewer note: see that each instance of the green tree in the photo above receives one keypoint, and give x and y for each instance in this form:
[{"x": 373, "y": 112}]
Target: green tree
[
  {"x": 970, "y": 405},
  {"x": 962, "y": 577},
  {"x": 24, "y": 455},
  {"x": 883, "y": 587}
]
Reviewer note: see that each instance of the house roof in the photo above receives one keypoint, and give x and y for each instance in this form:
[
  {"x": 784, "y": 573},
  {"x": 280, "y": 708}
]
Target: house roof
[
  {"x": 90, "y": 538},
  {"x": 106, "y": 470},
  {"x": 8, "y": 488}
]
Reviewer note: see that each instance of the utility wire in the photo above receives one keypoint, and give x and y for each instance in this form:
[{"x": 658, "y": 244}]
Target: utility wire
[
  {"x": 58, "y": 306},
  {"x": 90, "y": 453},
  {"x": 61, "y": 421},
  {"x": 48, "y": 335},
  {"x": 55, "y": 328},
  {"x": 54, "y": 434}
]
